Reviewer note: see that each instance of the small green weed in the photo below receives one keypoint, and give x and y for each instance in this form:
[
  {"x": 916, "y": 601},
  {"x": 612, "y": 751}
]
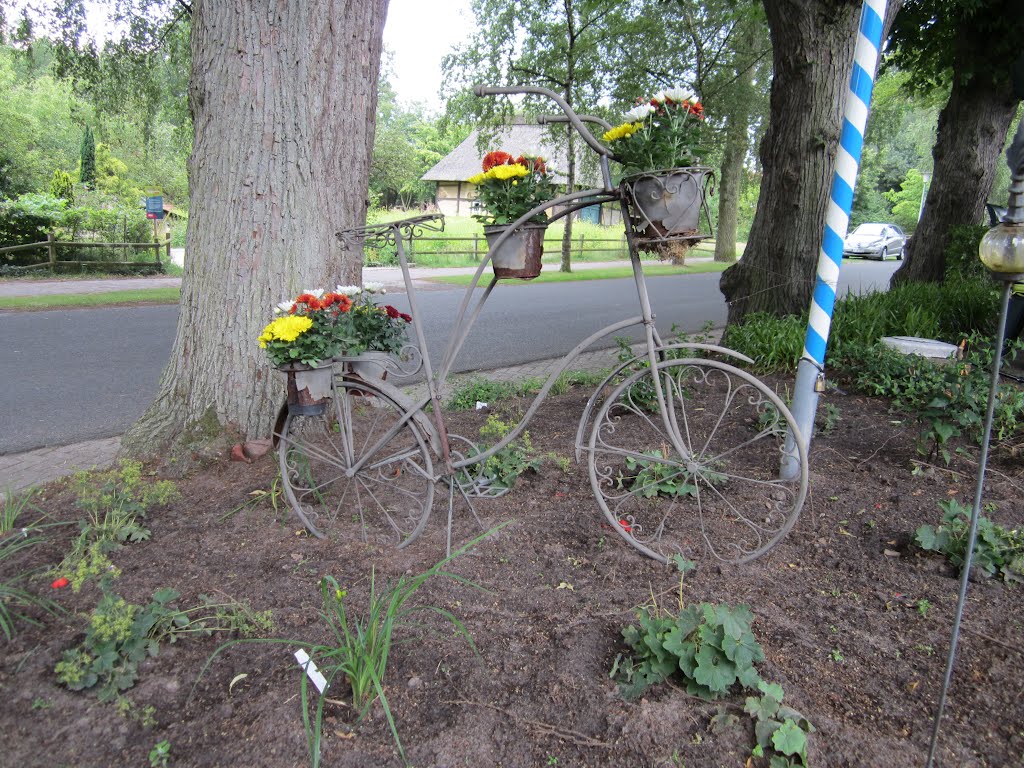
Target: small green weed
[
  {"x": 923, "y": 606},
  {"x": 997, "y": 551},
  {"x": 160, "y": 754},
  {"x": 504, "y": 468}
]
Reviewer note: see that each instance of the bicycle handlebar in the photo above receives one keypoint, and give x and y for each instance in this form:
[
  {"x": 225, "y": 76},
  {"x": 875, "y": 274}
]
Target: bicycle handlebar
[
  {"x": 545, "y": 119},
  {"x": 570, "y": 116}
]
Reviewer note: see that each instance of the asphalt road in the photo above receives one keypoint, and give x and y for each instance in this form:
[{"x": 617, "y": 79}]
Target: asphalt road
[{"x": 83, "y": 374}]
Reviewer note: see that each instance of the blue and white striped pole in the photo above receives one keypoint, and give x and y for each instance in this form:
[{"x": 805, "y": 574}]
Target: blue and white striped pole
[{"x": 837, "y": 220}]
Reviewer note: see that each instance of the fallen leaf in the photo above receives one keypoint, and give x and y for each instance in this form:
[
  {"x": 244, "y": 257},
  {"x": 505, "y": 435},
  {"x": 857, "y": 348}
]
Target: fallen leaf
[
  {"x": 566, "y": 585},
  {"x": 890, "y": 553}
]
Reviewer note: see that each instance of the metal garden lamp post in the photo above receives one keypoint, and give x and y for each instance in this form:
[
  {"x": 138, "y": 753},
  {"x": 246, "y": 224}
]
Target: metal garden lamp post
[{"x": 1002, "y": 252}]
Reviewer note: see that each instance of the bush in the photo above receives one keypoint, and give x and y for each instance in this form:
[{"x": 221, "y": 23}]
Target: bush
[
  {"x": 962, "y": 260},
  {"x": 773, "y": 343},
  {"x": 28, "y": 219}
]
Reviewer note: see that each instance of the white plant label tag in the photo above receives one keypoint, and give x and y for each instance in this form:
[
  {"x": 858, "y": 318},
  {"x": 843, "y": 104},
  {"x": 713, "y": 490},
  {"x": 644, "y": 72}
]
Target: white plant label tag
[{"x": 311, "y": 670}]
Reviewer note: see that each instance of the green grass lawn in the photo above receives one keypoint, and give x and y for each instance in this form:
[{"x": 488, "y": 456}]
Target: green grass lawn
[
  {"x": 462, "y": 243},
  {"x": 146, "y": 296},
  {"x": 552, "y": 275}
]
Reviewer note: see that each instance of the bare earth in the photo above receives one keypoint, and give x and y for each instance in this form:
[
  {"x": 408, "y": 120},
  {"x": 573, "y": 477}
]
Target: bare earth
[{"x": 836, "y": 606}]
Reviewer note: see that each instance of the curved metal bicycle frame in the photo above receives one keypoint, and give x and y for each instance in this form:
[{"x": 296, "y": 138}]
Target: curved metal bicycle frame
[{"x": 434, "y": 428}]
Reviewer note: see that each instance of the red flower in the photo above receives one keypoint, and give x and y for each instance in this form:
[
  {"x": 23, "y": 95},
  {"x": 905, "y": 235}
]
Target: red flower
[
  {"x": 344, "y": 303},
  {"x": 626, "y": 526},
  {"x": 60, "y": 583},
  {"x": 407, "y": 318},
  {"x": 311, "y": 301},
  {"x": 497, "y": 157},
  {"x": 392, "y": 312}
]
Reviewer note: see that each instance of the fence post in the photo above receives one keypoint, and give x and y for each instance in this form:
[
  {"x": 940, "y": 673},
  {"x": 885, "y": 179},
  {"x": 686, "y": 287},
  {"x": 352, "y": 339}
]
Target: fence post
[
  {"x": 476, "y": 247},
  {"x": 51, "y": 248},
  {"x": 167, "y": 246},
  {"x": 581, "y": 246}
]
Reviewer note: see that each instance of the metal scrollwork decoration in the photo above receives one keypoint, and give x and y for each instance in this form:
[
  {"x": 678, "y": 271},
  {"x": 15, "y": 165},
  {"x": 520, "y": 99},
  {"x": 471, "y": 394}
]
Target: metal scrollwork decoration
[{"x": 385, "y": 233}]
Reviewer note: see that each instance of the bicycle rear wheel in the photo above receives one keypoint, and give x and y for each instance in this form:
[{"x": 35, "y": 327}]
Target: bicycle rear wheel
[
  {"x": 363, "y": 464},
  {"x": 702, "y": 476}
]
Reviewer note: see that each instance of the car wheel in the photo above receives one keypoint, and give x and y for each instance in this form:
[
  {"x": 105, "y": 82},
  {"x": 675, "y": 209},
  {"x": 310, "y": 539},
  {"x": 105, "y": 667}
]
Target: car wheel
[
  {"x": 885, "y": 253},
  {"x": 899, "y": 256}
]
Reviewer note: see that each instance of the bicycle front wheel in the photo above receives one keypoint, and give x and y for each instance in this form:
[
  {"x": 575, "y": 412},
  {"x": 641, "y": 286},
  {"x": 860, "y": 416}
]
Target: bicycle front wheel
[
  {"x": 363, "y": 467},
  {"x": 702, "y": 475}
]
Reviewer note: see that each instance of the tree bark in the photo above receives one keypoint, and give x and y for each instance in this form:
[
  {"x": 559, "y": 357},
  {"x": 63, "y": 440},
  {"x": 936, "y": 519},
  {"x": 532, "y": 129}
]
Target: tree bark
[
  {"x": 971, "y": 132},
  {"x": 283, "y": 99},
  {"x": 813, "y": 43}
]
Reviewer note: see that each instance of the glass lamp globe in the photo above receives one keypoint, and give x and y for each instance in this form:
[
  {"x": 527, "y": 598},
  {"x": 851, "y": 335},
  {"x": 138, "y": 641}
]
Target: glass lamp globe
[{"x": 1002, "y": 249}]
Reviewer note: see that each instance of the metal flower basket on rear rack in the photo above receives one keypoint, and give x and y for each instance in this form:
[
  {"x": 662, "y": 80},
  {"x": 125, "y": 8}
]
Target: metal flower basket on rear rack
[{"x": 668, "y": 206}]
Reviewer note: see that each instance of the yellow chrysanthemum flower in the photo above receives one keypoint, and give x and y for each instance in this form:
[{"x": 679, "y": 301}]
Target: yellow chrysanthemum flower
[
  {"x": 505, "y": 172},
  {"x": 478, "y": 179},
  {"x": 287, "y": 328},
  {"x": 622, "y": 131}
]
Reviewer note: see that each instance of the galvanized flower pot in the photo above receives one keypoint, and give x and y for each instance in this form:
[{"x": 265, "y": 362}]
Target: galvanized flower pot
[
  {"x": 309, "y": 389},
  {"x": 666, "y": 206},
  {"x": 519, "y": 255}
]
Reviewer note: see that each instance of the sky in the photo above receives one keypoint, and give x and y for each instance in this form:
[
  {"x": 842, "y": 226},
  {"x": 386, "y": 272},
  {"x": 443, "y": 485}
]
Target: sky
[{"x": 418, "y": 34}]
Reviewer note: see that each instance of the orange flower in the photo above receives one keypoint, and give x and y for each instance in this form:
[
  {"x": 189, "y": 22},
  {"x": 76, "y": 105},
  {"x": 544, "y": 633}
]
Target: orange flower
[
  {"x": 311, "y": 301},
  {"x": 497, "y": 157}
]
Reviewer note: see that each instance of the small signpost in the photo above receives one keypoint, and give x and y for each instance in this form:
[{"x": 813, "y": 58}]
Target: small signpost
[
  {"x": 154, "y": 204},
  {"x": 155, "y": 211}
]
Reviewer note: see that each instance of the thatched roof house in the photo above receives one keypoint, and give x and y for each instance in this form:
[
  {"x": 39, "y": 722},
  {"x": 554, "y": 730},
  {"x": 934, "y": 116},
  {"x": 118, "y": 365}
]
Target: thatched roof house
[{"x": 455, "y": 196}]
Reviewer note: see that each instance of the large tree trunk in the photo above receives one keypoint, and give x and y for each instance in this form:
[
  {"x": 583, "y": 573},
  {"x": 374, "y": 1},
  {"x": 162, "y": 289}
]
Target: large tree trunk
[
  {"x": 812, "y": 48},
  {"x": 283, "y": 98},
  {"x": 971, "y": 133}
]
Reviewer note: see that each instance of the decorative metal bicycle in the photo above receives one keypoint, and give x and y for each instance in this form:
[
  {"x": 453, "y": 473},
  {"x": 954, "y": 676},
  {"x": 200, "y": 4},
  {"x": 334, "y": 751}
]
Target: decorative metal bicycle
[{"x": 683, "y": 448}]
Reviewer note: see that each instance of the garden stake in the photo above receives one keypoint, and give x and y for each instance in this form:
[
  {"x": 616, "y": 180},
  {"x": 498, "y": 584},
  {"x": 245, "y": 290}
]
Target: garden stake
[
  {"x": 972, "y": 534},
  {"x": 810, "y": 369},
  {"x": 1002, "y": 252}
]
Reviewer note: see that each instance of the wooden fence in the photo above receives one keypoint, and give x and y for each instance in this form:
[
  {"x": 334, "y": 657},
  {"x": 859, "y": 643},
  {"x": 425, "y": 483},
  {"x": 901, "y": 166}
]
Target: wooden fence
[
  {"x": 51, "y": 244},
  {"x": 580, "y": 245}
]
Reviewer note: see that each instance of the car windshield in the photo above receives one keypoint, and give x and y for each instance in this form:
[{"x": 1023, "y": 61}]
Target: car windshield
[{"x": 869, "y": 229}]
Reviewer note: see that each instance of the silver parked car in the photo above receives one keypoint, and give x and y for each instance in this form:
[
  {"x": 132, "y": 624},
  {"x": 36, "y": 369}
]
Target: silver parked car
[{"x": 875, "y": 241}]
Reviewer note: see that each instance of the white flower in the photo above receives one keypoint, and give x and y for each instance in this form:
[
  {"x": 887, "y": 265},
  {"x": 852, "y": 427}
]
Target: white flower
[
  {"x": 284, "y": 307},
  {"x": 679, "y": 95},
  {"x": 374, "y": 287},
  {"x": 348, "y": 290},
  {"x": 318, "y": 292},
  {"x": 658, "y": 97},
  {"x": 639, "y": 112}
]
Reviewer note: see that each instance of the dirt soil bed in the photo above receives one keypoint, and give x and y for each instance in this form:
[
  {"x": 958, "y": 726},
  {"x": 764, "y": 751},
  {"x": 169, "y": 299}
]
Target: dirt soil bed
[{"x": 838, "y": 604}]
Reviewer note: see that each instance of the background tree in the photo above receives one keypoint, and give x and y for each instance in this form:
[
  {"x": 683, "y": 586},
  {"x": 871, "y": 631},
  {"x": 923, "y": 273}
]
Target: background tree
[
  {"x": 87, "y": 160},
  {"x": 561, "y": 46},
  {"x": 283, "y": 120},
  {"x": 720, "y": 50},
  {"x": 969, "y": 47},
  {"x": 812, "y": 55}
]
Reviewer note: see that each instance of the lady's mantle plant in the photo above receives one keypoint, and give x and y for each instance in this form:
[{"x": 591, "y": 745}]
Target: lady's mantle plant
[
  {"x": 511, "y": 187},
  {"x": 662, "y": 132},
  {"x": 318, "y": 326}
]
